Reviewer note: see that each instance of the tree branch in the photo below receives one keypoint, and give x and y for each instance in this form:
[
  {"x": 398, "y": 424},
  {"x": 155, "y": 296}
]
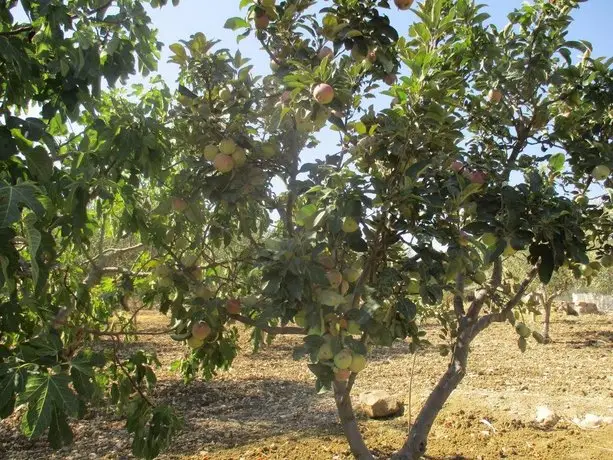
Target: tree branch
[
  {"x": 274, "y": 330},
  {"x": 501, "y": 316},
  {"x": 495, "y": 281},
  {"x": 458, "y": 298}
]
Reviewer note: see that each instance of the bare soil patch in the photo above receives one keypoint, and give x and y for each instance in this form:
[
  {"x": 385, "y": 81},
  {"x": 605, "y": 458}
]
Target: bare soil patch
[{"x": 265, "y": 407}]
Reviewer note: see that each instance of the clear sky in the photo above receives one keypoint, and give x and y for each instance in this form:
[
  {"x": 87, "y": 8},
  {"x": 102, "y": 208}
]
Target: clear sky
[{"x": 592, "y": 22}]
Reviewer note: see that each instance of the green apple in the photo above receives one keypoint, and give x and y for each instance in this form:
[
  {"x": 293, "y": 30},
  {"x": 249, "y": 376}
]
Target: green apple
[{"x": 343, "y": 359}]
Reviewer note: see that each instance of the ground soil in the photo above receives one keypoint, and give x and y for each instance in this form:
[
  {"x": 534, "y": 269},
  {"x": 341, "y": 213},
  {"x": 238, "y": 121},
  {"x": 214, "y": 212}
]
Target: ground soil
[{"x": 265, "y": 407}]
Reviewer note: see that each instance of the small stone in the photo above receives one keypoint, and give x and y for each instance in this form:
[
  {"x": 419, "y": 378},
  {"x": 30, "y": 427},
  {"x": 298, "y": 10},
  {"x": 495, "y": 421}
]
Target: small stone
[
  {"x": 378, "y": 403},
  {"x": 545, "y": 417}
]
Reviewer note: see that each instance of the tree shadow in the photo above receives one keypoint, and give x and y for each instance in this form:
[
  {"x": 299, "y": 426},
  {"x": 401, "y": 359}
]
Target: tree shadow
[
  {"x": 222, "y": 414},
  {"x": 589, "y": 339}
]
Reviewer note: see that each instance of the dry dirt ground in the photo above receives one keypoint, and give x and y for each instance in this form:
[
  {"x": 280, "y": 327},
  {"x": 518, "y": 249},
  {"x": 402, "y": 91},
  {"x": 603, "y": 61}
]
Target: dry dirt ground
[{"x": 266, "y": 407}]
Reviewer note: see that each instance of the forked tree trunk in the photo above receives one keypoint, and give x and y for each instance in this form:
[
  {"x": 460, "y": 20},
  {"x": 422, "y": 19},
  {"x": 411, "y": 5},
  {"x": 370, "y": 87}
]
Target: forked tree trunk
[
  {"x": 349, "y": 423},
  {"x": 416, "y": 443},
  {"x": 546, "y": 321}
]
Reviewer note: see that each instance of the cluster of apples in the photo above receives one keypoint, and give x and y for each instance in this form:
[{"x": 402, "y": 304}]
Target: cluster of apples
[
  {"x": 226, "y": 155},
  {"x": 343, "y": 363}
]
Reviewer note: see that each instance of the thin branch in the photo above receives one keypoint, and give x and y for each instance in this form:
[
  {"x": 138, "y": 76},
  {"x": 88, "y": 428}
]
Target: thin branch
[
  {"x": 16, "y": 31},
  {"x": 501, "y": 316},
  {"x": 496, "y": 279},
  {"x": 127, "y": 374},
  {"x": 117, "y": 334},
  {"x": 279, "y": 330}
]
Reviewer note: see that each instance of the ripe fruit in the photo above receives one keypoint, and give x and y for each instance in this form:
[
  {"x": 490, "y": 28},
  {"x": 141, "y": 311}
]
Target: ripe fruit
[
  {"x": 300, "y": 318},
  {"x": 204, "y": 292},
  {"x": 239, "y": 156},
  {"x": 323, "y": 93},
  {"x": 261, "y": 22},
  {"x": 601, "y": 172},
  {"x": 335, "y": 278},
  {"x": 352, "y": 274},
  {"x": 457, "y": 166},
  {"x": 268, "y": 151},
  {"x": 477, "y": 177},
  {"x": 390, "y": 79},
  {"x": 223, "y": 163},
  {"x": 480, "y": 277},
  {"x": 326, "y": 260},
  {"x": 353, "y": 327},
  {"x": 227, "y": 146},
  {"x": 341, "y": 375},
  {"x": 233, "y": 306},
  {"x": 494, "y": 96},
  {"x": 358, "y": 363},
  {"x": 403, "y": 4},
  {"x": 343, "y": 359},
  {"x": 325, "y": 52},
  {"x": 586, "y": 270},
  {"x": 522, "y": 330},
  {"x": 225, "y": 94},
  {"x": 489, "y": 239},
  {"x": 194, "y": 343},
  {"x": 201, "y": 330},
  {"x": 325, "y": 352},
  {"x": 179, "y": 204},
  {"x": 350, "y": 225},
  {"x": 210, "y": 152}
]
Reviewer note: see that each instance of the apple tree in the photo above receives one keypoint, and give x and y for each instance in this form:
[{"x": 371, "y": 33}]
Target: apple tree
[{"x": 493, "y": 142}]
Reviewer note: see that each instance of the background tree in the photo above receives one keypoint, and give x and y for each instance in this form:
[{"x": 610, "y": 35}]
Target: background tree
[{"x": 491, "y": 145}]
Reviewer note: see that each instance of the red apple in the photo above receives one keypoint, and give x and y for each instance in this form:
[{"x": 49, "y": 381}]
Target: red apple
[
  {"x": 477, "y": 177},
  {"x": 179, "y": 204},
  {"x": 403, "y": 4},
  {"x": 261, "y": 22},
  {"x": 233, "y": 306},
  {"x": 323, "y": 93},
  {"x": 457, "y": 166},
  {"x": 326, "y": 51},
  {"x": 495, "y": 96},
  {"x": 201, "y": 330},
  {"x": 223, "y": 163},
  {"x": 390, "y": 79}
]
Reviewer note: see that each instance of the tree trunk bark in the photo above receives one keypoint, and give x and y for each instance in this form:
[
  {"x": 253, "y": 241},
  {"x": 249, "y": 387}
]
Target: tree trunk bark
[
  {"x": 349, "y": 423},
  {"x": 415, "y": 445},
  {"x": 546, "y": 321}
]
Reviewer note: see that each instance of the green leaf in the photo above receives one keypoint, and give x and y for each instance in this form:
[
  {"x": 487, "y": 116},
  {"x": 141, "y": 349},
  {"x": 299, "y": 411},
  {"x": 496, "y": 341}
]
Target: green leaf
[
  {"x": 521, "y": 343},
  {"x": 45, "y": 394},
  {"x": 236, "y": 23},
  {"x": 60, "y": 434},
  {"x": 34, "y": 238},
  {"x": 12, "y": 196},
  {"x": 556, "y": 162}
]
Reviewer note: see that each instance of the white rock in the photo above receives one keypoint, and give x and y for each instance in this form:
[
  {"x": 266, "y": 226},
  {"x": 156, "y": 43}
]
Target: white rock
[
  {"x": 591, "y": 421},
  {"x": 379, "y": 403},
  {"x": 545, "y": 417}
]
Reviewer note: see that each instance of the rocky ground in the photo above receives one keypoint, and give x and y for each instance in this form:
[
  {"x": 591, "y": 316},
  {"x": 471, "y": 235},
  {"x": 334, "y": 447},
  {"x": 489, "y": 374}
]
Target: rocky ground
[{"x": 266, "y": 406}]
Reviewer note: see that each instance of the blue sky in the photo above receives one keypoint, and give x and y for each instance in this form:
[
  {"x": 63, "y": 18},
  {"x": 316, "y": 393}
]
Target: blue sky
[{"x": 592, "y": 22}]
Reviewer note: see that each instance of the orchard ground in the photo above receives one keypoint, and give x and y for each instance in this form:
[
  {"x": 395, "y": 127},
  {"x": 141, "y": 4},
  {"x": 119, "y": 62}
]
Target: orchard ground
[{"x": 266, "y": 406}]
